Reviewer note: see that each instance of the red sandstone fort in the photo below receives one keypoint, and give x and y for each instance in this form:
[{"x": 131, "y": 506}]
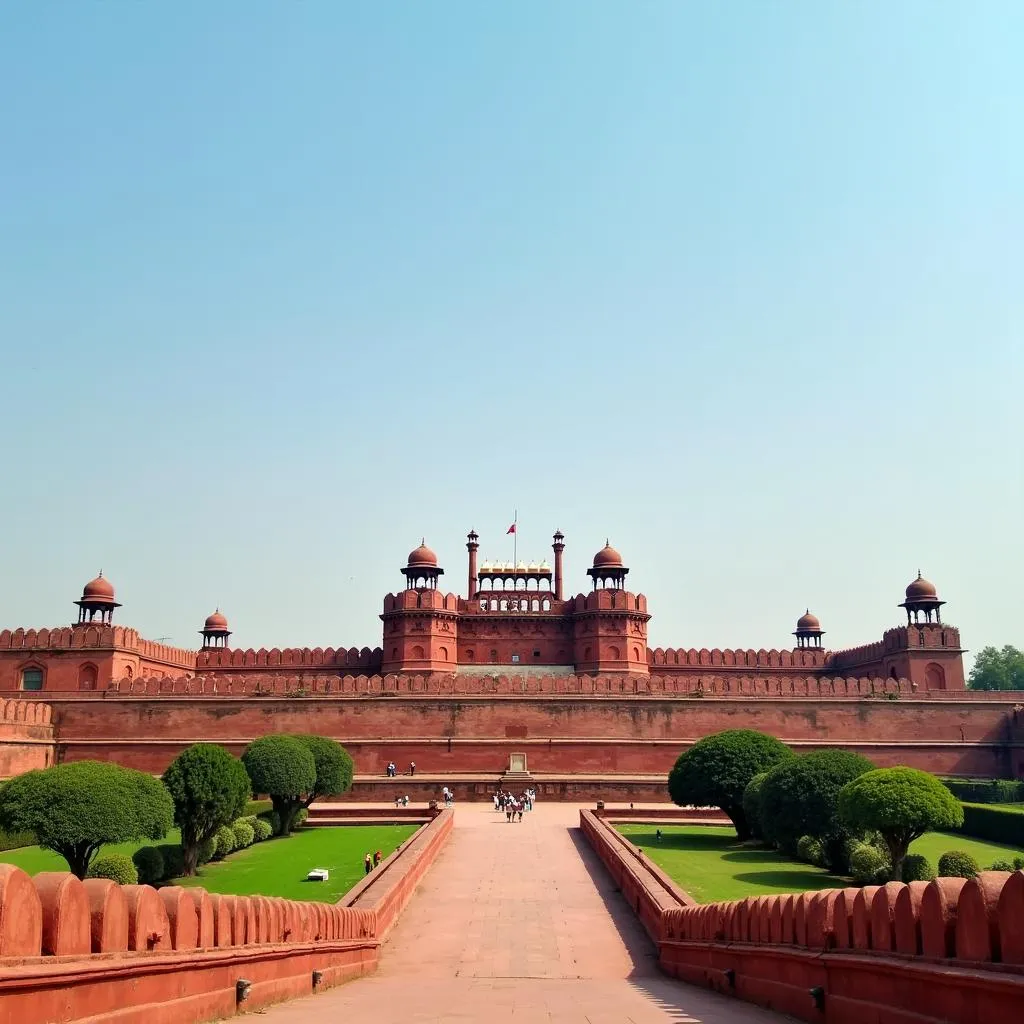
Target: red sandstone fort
[{"x": 460, "y": 682}]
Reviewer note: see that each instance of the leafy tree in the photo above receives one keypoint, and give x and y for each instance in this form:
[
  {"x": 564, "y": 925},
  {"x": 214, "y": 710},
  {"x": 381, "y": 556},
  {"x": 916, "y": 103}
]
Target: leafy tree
[
  {"x": 800, "y": 797},
  {"x": 210, "y": 788},
  {"x": 73, "y": 809},
  {"x": 998, "y": 670},
  {"x": 334, "y": 767},
  {"x": 716, "y": 770},
  {"x": 752, "y": 804},
  {"x": 284, "y": 768},
  {"x": 901, "y": 804}
]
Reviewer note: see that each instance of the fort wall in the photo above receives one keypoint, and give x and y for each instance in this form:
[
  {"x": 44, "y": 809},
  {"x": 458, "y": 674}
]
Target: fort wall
[{"x": 26, "y": 737}]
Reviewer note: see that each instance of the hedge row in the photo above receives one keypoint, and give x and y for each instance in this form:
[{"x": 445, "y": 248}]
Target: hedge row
[
  {"x": 256, "y": 807},
  {"x": 16, "y": 840},
  {"x": 996, "y": 824},
  {"x": 986, "y": 791}
]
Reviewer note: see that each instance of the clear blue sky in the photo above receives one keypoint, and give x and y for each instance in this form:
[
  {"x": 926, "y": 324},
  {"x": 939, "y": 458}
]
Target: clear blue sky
[{"x": 286, "y": 286}]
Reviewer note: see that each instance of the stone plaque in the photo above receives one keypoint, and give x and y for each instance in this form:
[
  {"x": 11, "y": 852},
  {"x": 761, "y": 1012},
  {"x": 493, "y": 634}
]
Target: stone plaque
[{"x": 517, "y": 762}]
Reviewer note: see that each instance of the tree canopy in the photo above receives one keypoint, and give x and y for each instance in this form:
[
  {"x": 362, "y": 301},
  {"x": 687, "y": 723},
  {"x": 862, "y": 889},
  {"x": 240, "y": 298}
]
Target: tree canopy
[
  {"x": 73, "y": 809},
  {"x": 715, "y": 771},
  {"x": 334, "y": 767},
  {"x": 210, "y": 789},
  {"x": 901, "y": 804},
  {"x": 800, "y": 797},
  {"x": 998, "y": 669},
  {"x": 284, "y": 768}
]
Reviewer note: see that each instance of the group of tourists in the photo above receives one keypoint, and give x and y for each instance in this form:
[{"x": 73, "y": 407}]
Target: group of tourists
[
  {"x": 392, "y": 769},
  {"x": 370, "y": 861},
  {"x": 513, "y": 805}
]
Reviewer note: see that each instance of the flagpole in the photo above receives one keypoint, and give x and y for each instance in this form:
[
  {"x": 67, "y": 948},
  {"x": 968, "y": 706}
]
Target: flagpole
[{"x": 515, "y": 539}]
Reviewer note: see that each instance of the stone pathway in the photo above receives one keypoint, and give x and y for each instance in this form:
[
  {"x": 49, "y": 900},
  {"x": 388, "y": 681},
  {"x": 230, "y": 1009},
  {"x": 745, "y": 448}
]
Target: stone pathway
[{"x": 517, "y": 923}]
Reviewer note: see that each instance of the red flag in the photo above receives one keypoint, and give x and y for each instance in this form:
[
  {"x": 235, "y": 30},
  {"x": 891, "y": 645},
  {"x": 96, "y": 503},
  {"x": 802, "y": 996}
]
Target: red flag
[{"x": 511, "y": 529}]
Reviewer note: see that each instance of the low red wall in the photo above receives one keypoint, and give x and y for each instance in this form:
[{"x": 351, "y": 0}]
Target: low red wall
[
  {"x": 951, "y": 950},
  {"x": 76, "y": 951},
  {"x": 26, "y": 737}
]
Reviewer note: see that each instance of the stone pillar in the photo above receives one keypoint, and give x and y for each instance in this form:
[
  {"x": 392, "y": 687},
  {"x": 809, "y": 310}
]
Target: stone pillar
[{"x": 558, "y": 547}]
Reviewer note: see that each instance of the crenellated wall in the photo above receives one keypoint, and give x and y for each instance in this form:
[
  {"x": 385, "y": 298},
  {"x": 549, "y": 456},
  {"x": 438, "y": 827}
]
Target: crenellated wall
[
  {"x": 26, "y": 737},
  {"x": 567, "y": 725},
  {"x": 676, "y": 660},
  {"x": 300, "y": 659}
]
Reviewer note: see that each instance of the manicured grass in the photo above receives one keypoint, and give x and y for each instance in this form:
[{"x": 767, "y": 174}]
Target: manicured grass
[
  {"x": 1016, "y": 808},
  {"x": 278, "y": 867},
  {"x": 935, "y": 844},
  {"x": 710, "y": 864},
  {"x": 33, "y": 859}
]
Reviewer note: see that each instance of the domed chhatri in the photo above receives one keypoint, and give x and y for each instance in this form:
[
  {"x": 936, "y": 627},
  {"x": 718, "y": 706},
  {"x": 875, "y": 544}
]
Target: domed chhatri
[
  {"x": 421, "y": 571},
  {"x": 97, "y": 601},
  {"x": 608, "y": 572},
  {"x": 607, "y": 557},
  {"x": 422, "y": 555},
  {"x": 922, "y": 601},
  {"x": 808, "y": 630},
  {"x": 215, "y": 630}
]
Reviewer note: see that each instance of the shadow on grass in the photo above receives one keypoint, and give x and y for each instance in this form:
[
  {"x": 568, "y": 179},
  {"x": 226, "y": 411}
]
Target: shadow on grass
[{"x": 792, "y": 881}]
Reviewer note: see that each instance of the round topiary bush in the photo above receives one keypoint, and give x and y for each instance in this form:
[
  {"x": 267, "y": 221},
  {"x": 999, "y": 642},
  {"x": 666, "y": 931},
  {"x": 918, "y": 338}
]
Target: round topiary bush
[
  {"x": 1001, "y": 865},
  {"x": 174, "y": 860},
  {"x": 224, "y": 842},
  {"x": 245, "y": 834},
  {"x": 262, "y": 829},
  {"x": 207, "y": 851},
  {"x": 300, "y": 818},
  {"x": 868, "y": 866},
  {"x": 917, "y": 868},
  {"x": 118, "y": 867},
  {"x": 149, "y": 863},
  {"x": 957, "y": 864},
  {"x": 810, "y": 850}
]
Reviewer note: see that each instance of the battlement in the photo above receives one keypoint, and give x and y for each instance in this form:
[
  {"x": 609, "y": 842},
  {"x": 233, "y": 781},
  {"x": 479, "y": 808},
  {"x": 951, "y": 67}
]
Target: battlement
[
  {"x": 672, "y": 658},
  {"x": 609, "y": 600},
  {"x": 25, "y": 712},
  {"x": 94, "y": 637},
  {"x": 461, "y": 685},
  {"x": 223, "y": 659},
  {"x": 414, "y": 600}
]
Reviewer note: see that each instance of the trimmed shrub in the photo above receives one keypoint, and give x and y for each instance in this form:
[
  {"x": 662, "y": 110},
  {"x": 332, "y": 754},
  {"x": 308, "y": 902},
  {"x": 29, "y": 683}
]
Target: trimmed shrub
[
  {"x": 224, "y": 842},
  {"x": 1001, "y": 865},
  {"x": 284, "y": 768},
  {"x": 868, "y": 866},
  {"x": 245, "y": 834},
  {"x": 957, "y": 864},
  {"x": 149, "y": 863},
  {"x": 800, "y": 797},
  {"x": 118, "y": 867},
  {"x": 996, "y": 824},
  {"x": 986, "y": 791},
  {"x": 1018, "y": 863},
  {"x": 273, "y": 819},
  {"x": 300, "y": 818},
  {"x": 717, "y": 769},
  {"x": 810, "y": 850},
  {"x": 262, "y": 829},
  {"x": 917, "y": 868},
  {"x": 174, "y": 860},
  {"x": 16, "y": 840},
  {"x": 752, "y": 804},
  {"x": 207, "y": 851},
  {"x": 254, "y": 808}
]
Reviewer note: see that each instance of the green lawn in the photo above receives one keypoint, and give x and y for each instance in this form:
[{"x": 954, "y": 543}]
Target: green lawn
[
  {"x": 710, "y": 864},
  {"x": 278, "y": 867},
  {"x": 33, "y": 859}
]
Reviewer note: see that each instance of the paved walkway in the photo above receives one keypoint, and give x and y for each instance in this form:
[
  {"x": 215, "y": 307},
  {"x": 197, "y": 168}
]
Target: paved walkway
[{"x": 517, "y": 923}]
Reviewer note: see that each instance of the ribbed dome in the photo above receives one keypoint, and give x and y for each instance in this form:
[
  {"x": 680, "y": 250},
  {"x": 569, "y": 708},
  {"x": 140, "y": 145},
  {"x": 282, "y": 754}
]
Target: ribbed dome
[
  {"x": 808, "y": 622},
  {"x": 422, "y": 555},
  {"x": 99, "y": 589},
  {"x": 216, "y": 621},
  {"x": 921, "y": 590},
  {"x": 607, "y": 558}
]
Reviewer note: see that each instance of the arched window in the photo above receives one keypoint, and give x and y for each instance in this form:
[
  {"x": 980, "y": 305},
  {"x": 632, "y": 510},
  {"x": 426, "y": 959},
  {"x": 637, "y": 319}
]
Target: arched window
[
  {"x": 87, "y": 677},
  {"x": 32, "y": 678},
  {"x": 417, "y": 653}
]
